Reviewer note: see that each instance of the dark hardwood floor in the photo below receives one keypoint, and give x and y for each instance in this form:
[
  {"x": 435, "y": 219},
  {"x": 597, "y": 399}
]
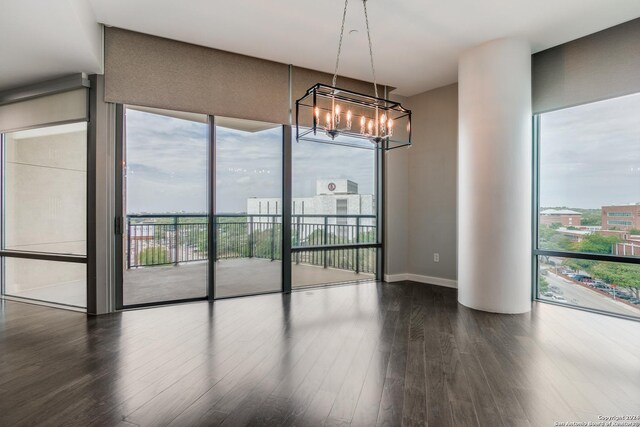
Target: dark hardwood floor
[{"x": 366, "y": 355}]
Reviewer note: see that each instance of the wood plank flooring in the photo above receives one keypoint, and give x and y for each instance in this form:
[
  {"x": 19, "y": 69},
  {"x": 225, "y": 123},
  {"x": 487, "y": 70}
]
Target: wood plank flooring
[{"x": 371, "y": 354}]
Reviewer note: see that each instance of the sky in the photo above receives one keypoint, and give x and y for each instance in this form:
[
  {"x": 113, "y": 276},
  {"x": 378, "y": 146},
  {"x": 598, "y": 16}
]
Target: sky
[
  {"x": 166, "y": 165},
  {"x": 589, "y": 157},
  {"x": 590, "y": 154}
]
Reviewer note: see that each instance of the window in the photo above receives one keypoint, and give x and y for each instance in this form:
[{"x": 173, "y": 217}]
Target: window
[
  {"x": 619, "y": 222},
  {"x": 589, "y": 167},
  {"x": 44, "y": 212},
  {"x": 336, "y": 187}
]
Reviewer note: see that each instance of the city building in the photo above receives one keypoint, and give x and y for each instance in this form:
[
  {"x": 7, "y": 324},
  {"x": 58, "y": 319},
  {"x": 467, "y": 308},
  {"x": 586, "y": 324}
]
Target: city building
[
  {"x": 334, "y": 198},
  {"x": 621, "y": 217},
  {"x": 145, "y": 281},
  {"x": 564, "y": 217}
]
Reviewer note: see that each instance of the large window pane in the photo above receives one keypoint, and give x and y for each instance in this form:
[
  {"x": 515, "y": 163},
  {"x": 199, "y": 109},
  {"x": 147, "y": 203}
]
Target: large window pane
[
  {"x": 590, "y": 178},
  {"x": 599, "y": 285},
  {"x": 334, "y": 203},
  {"x": 590, "y": 203},
  {"x": 166, "y": 205},
  {"x": 48, "y": 281},
  {"x": 45, "y": 189},
  {"x": 248, "y": 207}
]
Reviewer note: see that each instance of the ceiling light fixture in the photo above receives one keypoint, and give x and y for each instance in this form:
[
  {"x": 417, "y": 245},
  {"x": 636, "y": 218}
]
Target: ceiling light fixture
[{"x": 327, "y": 113}]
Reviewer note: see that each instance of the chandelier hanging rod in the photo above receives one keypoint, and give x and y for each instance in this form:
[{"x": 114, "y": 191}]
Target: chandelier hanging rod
[{"x": 366, "y": 19}]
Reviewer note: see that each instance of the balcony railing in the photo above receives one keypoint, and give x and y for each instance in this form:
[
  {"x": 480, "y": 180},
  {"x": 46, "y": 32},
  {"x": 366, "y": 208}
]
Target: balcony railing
[{"x": 166, "y": 239}]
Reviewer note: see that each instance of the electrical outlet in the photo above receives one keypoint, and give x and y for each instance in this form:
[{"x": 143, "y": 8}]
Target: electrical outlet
[{"x": 436, "y": 257}]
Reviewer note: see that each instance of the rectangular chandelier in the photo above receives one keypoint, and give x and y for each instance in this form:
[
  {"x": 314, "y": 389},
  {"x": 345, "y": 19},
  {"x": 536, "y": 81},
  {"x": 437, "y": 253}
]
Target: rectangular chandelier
[{"x": 338, "y": 116}]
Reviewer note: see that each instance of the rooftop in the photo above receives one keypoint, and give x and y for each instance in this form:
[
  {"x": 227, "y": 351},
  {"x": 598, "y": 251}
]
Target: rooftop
[{"x": 559, "y": 212}]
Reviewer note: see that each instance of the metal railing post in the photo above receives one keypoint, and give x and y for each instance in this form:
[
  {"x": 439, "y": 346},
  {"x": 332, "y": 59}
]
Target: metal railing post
[
  {"x": 128, "y": 243},
  {"x": 175, "y": 240},
  {"x": 325, "y": 238},
  {"x": 357, "y": 241},
  {"x": 251, "y": 237},
  {"x": 214, "y": 241},
  {"x": 298, "y": 239},
  {"x": 273, "y": 237}
]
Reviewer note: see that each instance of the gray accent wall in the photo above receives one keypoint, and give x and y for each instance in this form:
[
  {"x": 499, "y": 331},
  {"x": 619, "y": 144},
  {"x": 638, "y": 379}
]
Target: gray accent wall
[{"x": 432, "y": 189}]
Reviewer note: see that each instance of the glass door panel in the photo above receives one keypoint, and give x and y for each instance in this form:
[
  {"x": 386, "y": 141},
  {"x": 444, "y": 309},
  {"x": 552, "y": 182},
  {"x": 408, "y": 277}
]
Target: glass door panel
[
  {"x": 334, "y": 204},
  {"x": 248, "y": 208},
  {"x": 165, "y": 204}
]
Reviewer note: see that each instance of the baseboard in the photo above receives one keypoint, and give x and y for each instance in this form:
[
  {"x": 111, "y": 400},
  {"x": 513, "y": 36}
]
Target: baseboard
[
  {"x": 390, "y": 278},
  {"x": 439, "y": 281}
]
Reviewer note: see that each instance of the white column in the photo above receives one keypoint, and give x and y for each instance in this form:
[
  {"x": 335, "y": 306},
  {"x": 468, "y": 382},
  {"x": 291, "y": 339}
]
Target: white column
[{"x": 494, "y": 177}]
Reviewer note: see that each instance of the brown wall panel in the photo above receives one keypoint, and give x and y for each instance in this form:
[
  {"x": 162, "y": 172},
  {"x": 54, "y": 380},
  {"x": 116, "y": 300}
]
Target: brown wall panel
[{"x": 151, "y": 71}]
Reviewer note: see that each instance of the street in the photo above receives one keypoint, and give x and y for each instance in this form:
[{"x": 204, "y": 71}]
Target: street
[{"x": 584, "y": 297}]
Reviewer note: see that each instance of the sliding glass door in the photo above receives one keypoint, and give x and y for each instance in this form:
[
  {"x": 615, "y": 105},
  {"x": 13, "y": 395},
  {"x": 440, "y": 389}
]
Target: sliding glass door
[
  {"x": 164, "y": 206},
  {"x": 248, "y": 208},
  {"x": 206, "y": 203}
]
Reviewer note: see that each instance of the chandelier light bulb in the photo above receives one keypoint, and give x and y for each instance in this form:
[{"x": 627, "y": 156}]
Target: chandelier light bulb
[
  {"x": 317, "y": 113},
  {"x": 370, "y": 127},
  {"x": 337, "y": 114},
  {"x": 328, "y": 120},
  {"x": 348, "y": 119}
]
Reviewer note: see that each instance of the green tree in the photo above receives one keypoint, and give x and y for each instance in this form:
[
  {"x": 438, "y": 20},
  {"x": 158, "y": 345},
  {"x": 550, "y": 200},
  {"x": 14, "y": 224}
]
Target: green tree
[
  {"x": 543, "y": 285},
  {"x": 154, "y": 256},
  {"x": 623, "y": 275},
  {"x": 266, "y": 243},
  {"x": 595, "y": 243},
  {"x": 551, "y": 239},
  {"x": 578, "y": 264}
]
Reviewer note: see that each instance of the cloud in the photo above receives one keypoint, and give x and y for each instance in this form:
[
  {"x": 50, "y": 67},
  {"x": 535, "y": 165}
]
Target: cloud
[
  {"x": 167, "y": 161},
  {"x": 590, "y": 155}
]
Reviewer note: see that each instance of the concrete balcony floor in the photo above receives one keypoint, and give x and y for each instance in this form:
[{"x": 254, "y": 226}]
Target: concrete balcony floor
[{"x": 234, "y": 277}]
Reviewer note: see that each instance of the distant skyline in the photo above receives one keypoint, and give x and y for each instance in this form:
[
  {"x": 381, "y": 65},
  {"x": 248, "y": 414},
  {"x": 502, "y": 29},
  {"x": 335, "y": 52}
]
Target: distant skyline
[
  {"x": 167, "y": 165},
  {"x": 590, "y": 155}
]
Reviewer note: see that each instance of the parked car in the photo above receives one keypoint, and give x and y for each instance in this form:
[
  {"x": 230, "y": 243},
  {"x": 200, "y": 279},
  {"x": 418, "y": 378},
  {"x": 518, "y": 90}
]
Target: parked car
[
  {"x": 547, "y": 294},
  {"x": 635, "y": 301},
  {"x": 559, "y": 298}
]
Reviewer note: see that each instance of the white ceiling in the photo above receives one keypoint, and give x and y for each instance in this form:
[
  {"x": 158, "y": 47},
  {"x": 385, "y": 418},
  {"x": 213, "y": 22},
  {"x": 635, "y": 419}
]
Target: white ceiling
[
  {"x": 43, "y": 39},
  {"x": 416, "y": 42}
]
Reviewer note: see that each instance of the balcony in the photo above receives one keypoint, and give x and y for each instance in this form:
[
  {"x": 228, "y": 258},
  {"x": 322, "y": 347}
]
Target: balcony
[{"x": 166, "y": 255}]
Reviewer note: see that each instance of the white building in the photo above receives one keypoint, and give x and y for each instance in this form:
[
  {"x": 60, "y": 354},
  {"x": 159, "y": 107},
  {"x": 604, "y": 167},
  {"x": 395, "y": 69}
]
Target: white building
[{"x": 333, "y": 198}]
